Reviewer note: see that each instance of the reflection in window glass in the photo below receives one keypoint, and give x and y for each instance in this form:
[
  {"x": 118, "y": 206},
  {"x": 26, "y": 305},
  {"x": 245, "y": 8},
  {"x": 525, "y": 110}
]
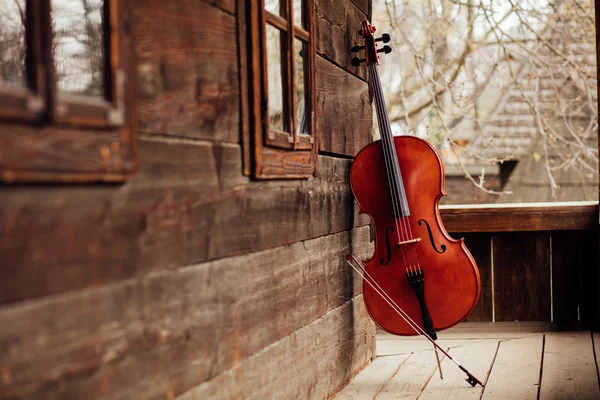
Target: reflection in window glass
[
  {"x": 302, "y": 122},
  {"x": 277, "y": 118},
  {"x": 298, "y": 13},
  {"x": 78, "y": 46},
  {"x": 275, "y": 6},
  {"x": 12, "y": 42}
]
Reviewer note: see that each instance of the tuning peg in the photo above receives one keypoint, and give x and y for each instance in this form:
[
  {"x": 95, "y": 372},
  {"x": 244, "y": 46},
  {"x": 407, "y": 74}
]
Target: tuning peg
[
  {"x": 386, "y": 49},
  {"x": 357, "y": 61},
  {"x": 384, "y": 38},
  {"x": 356, "y": 49}
]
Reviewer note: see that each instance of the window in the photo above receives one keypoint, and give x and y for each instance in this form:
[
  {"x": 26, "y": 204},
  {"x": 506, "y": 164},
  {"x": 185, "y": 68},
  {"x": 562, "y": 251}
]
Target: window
[
  {"x": 66, "y": 93},
  {"x": 281, "y": 138}
]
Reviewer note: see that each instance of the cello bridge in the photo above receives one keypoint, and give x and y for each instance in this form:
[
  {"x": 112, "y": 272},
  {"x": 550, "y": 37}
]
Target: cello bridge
[{"x": 416, "y": 240}]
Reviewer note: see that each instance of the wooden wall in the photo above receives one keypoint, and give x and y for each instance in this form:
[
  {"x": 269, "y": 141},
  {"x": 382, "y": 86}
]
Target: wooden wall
[{"x": 191, "y": 281}]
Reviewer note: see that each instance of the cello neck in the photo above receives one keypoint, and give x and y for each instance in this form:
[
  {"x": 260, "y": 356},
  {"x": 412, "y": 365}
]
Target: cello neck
[{"x": 392, "y": 167}]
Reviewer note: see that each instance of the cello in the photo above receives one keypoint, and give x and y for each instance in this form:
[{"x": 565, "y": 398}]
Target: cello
[{"x": 417, "y": 270}]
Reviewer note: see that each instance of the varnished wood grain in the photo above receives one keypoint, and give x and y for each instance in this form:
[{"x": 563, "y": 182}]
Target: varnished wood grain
[
  {"x": 452, "y": 285},
  {"x": 338, "y": 23},
  {"x": 187, "y": 70},
  {"x": 188, "y": 204},
  {"x": 522, "y": 277},
  {"x": 520, "y": 218},
  {"x": 189, "y": 323},
  {"x": 345, "y": 120}
]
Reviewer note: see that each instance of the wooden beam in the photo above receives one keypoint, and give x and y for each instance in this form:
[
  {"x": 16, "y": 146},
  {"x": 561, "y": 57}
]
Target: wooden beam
[
  {"x": 338, "y": 23},
  {"x": 345, "y": 120},
  {"x": 187, "y": 69},
  {"x": 188, "y": 204},
  {"x": 520, "y": 218},
  {"x": 328, "y": 352}
]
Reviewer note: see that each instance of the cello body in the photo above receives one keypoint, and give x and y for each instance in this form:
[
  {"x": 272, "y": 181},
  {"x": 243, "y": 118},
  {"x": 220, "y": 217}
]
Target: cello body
[{"x": 452, "y": 284}]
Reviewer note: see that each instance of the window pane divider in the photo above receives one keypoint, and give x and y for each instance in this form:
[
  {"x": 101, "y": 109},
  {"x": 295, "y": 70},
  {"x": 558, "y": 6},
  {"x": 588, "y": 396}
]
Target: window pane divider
[
  {"x": 301, "y": 34},
  {"x": 292, "y": 75},
  {"x": 276, "y": 21}
]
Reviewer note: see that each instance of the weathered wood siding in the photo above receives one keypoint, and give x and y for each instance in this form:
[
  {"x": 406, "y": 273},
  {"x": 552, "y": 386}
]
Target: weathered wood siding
[{"x": 192, "y": 281}]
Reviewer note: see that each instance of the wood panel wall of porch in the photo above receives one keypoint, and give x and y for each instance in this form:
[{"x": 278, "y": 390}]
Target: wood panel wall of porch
[
  {"x": 193, "y": 281},
  {"x": 537, "y": 263}
]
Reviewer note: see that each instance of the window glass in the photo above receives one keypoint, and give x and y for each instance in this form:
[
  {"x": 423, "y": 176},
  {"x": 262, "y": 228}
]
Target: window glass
[
  {"x": 78, "y": 46},
  {"x": 302, "y": 121},
  {"x": 299, "y": 13},
  {"x": 277, "y": 118},
  {"x": 276, "y": 7},
  {"x": 12, "y": 42}
]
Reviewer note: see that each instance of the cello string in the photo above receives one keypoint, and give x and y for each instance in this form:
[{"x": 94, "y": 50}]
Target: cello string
[
  {"x": 405, "y": 233},
  {"x": 387, "y": 138},
  {"x": 394, "y": 199},
  {"x": 406, "y": 230},
  {"x": 393, "y": 184}
]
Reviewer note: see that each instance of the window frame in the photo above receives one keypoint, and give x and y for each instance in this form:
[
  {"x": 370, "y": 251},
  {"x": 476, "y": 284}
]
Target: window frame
[
  {"x": 268, "y": 153},
  {"x": 53, "y": 137}
]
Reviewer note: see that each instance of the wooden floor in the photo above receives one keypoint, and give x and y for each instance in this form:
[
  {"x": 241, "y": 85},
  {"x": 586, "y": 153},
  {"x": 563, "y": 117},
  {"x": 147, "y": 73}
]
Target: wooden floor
[{"x": 514, "y": 360}]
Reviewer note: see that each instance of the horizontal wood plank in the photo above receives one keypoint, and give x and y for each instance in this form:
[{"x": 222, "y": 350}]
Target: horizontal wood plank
[
  {"x": 187, "y": 69},
  {"x": 188, "y": 204},
  {"x": 54, "y": 154},
  {"x": 338, "y": 23},
  {"x": 176, "y": 328},
  {"x": 345, "y": 122},
  {"x": 520, "y": 218},
  {"x": 326, "y": 351}
]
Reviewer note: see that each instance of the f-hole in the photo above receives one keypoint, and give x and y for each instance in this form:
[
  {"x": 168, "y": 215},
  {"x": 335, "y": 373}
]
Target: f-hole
[
  {"x": 443, "y": 247},
  {"x": 388, "y": 245}
]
